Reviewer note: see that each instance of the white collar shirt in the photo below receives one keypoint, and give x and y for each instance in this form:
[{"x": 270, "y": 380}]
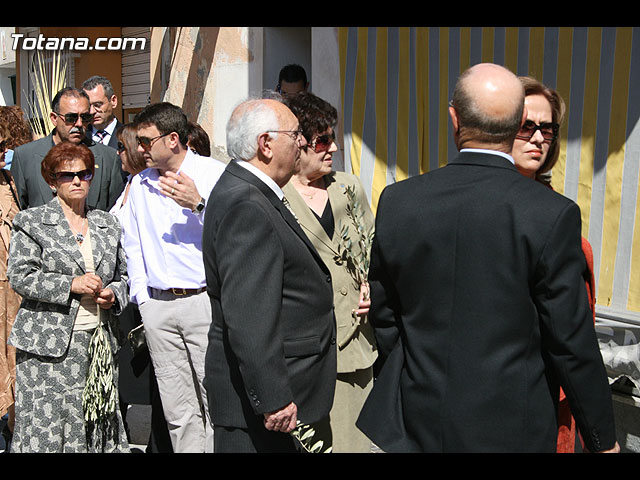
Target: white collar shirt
[
  {"x": 162, "y": 240},
  {"x": 490, "y": 152},
  {"x": 263, "y": 177}
]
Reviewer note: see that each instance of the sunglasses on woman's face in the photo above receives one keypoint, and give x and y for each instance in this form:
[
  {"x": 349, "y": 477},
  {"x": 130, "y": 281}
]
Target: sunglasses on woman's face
[
  {"x": 322, "y": 143},
  {"x": 548, "y": 130},
  {"x": 65, "y": 177}
]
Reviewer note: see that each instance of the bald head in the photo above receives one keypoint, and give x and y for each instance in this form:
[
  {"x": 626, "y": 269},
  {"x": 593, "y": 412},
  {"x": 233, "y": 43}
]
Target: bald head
[{"x": 488, "y": 104}]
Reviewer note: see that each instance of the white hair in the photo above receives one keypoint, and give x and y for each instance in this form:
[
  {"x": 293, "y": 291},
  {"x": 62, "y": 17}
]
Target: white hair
[{"x": 249, "y": 120}]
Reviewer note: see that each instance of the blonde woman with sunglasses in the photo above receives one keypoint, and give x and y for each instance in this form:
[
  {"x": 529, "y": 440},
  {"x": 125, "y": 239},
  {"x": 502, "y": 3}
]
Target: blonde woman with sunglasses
[{"x": 535, "y": 151}]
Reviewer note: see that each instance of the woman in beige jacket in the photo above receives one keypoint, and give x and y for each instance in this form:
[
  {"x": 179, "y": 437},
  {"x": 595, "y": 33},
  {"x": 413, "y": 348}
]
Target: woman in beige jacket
[{"x": 320, "y": 199}]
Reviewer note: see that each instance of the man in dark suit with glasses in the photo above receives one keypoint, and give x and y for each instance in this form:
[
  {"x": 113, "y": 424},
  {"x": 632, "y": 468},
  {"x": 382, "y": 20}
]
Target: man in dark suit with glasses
[
  {"x": 271, "y": 359},
  {"x": 103, "y": 102},
  {"x": 71, "y": 117}
]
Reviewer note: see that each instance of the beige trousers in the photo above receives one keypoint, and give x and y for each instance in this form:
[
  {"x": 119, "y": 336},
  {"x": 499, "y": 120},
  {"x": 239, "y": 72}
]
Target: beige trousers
[
  {"x": 176, "y": 329},
  {"x": 341, "y": 432}
]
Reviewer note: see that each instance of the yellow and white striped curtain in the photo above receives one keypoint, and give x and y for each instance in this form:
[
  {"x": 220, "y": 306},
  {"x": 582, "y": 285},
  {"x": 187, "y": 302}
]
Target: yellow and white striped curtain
[{"x": 396, "y": 84}]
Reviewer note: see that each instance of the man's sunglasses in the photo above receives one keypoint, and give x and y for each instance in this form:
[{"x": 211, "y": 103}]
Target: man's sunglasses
[
  {"x": 322, "y": 143},
  {"x": 65, "y": 177},
  {"x": 549, "y": 131},
  {"x": 146, "y": 142},
  {"x": 73, "y": 117}
]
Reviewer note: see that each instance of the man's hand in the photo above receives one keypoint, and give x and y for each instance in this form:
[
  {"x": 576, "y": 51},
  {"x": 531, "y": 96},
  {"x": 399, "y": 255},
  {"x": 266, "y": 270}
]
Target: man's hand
[
  {"x": 180, "y": 188},
  {"x": 615, "y": 449},
  {"x": 282, "y": 420}
]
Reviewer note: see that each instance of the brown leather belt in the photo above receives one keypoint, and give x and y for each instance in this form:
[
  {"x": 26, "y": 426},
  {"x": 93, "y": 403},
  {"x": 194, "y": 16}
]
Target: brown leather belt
[{"x": 178, "y": 292}]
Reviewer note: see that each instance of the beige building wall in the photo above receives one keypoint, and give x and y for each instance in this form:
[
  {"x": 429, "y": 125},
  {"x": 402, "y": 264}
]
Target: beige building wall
[{"x": 207, "y": 71}]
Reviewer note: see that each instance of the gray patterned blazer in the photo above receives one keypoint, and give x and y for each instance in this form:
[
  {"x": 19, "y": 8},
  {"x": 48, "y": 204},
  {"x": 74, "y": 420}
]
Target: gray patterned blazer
[{"x": 44, "y": 258}]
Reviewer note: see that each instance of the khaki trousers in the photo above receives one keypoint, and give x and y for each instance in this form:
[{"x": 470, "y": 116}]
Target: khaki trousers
[{"x": 176, "y": 328}]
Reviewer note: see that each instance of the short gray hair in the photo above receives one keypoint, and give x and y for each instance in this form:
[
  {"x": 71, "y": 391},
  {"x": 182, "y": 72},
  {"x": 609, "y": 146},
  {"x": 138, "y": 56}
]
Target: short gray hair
[
  {"x": 248, "y": 121},
  {"x": 92, "y": 82}
]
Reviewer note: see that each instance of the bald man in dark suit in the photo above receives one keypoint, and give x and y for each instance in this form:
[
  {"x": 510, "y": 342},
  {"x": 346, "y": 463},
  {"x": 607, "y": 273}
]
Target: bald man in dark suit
[{"x": 478, "y": 303}]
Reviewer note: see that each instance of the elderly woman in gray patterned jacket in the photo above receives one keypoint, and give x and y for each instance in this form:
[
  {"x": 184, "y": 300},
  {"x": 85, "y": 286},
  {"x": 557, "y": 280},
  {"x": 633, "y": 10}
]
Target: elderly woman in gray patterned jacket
[{"x": 68, "y": 265}]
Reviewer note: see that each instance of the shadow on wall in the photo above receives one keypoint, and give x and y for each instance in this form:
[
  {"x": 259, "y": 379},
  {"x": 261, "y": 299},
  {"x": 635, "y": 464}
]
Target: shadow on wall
[
  {"x": 201, "y": 61},
  {"x": 198, "y": 70}
]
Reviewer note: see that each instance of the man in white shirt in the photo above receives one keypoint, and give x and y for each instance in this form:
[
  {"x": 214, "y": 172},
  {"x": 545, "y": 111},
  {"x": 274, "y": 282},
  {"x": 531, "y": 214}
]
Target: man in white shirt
[
  {"x": 163, "y": 242},
  {"x": 103, "y": 101}
]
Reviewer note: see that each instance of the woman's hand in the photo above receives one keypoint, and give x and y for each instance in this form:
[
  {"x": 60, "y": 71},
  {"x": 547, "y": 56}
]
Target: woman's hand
[
  {"x": 89, "y": 283},
  {"x": 106, "y": 298},
  {"x": 364, "y": 303}
]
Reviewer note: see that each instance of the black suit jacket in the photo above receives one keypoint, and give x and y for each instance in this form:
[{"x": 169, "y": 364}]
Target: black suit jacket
[
  {"x": 272, "y": 340},
  {"x": 106, "y": 185},
  {"x": 480, "y": 312}
]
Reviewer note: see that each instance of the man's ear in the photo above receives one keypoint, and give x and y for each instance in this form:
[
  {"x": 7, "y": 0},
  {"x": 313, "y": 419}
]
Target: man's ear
[
  {"x": 264, "y": 146},
  {"x": 454, "y": 118},
  {"x": 174, "y": 140}
]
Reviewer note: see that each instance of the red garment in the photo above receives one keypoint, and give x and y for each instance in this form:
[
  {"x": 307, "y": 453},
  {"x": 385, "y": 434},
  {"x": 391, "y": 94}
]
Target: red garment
[{"x": 567, "y": 424}]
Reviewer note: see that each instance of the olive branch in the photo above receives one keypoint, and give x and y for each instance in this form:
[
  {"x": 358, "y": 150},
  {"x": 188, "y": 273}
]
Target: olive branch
[
  {"x": 304, "y": 434},
  {"x": 357, "y": 262},
  {"x": 99, "y": 397}
]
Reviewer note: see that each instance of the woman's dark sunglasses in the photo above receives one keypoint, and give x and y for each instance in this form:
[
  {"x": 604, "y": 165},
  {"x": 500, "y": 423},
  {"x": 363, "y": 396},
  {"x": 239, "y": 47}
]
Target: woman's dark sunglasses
[
  {"x": 549, "y": 130},
  {"x": 73, "y": 117},
  {"x": 322, "y": 143},
  {"x": 65, "y": 177}
]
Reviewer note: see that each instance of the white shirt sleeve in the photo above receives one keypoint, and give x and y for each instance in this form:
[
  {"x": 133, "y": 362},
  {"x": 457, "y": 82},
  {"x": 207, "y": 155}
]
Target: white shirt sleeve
[{"x": 136, "y": 268}]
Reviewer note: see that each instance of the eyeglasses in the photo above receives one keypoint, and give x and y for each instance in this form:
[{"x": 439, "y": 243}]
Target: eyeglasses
[
  {"x": 73, "y": 117},
  {"x": 120, "y": 147},
  {"x": 147, "y": 143},
  {"x": 294, "y": 134},
  {"x": 65, "y": 177},
  {"x": 322, "y": 143},
  {"x": 549, "y": 130}
]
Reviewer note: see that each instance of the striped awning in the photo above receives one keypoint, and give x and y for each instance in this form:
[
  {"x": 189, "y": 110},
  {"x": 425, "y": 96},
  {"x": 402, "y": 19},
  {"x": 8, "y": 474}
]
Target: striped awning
[{"x": 396, "y": 85}]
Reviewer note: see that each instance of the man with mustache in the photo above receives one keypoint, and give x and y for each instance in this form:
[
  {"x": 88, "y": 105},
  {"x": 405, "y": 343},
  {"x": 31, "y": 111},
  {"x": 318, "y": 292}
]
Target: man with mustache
[{"x": 71, "y": 117}]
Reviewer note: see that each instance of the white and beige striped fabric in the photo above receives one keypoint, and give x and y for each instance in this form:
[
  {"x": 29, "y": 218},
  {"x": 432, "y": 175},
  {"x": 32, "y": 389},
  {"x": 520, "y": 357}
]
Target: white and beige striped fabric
[{"x": 396, "y": 83}]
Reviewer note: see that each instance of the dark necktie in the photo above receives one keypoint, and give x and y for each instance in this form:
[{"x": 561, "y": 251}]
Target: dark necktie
[{"x": 101, "y": 134}]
